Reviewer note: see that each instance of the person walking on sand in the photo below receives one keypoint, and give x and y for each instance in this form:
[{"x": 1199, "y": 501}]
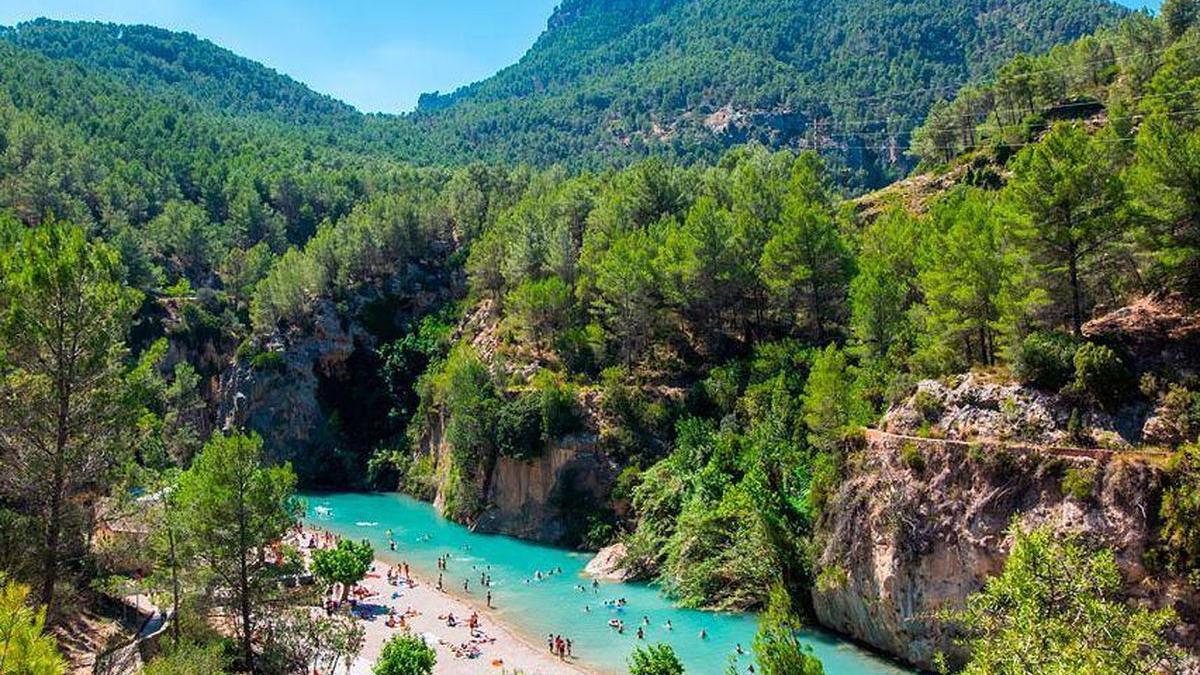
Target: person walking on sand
[
  {"x": 489, "y": 600},
  {"x": 439, "y": 581}
]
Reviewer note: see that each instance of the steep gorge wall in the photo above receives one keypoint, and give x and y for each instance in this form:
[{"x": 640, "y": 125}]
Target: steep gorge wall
[
  {"x": 900, "y": 542},
  {"x": 541, "y": 499}
]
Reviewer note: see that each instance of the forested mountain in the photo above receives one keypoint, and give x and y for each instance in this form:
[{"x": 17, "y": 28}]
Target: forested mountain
[
  {"x": 687, "y": 78},
  {"x": 612, "y": 81},
  {"x": 765, "y": 394},
  {"x": 181, "y": 64}
]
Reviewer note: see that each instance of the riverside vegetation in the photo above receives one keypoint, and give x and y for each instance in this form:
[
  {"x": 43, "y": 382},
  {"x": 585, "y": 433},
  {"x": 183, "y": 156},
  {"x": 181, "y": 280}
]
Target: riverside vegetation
[{"x": 722, "y": 321}]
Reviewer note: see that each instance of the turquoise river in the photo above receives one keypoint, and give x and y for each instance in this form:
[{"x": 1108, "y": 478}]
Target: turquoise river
[{"x": 555, "y": 604}]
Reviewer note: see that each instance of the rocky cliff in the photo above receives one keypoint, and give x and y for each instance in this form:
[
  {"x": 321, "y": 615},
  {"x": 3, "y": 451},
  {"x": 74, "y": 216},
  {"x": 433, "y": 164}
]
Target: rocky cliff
[
  {"x": 314, "y": 391},
  {"x": 546, "y": 499},
  {"x": 920, "y": 524}
]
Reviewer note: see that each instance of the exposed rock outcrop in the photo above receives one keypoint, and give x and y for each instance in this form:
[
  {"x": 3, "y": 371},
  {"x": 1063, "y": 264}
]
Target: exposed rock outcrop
[
  {"x": 545, "y": 499},
  {"x": 276, "y": 395},
  {"x": 608, "y": 564},
  {"x": 901, "y": 541},
  {"x": 305, "y": 388},
  {"x": 966, "y": 407}
]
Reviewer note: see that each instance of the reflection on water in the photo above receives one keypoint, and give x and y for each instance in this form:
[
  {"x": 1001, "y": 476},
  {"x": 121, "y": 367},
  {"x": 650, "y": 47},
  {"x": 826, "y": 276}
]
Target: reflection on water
[{"x": 539, "y": 590}]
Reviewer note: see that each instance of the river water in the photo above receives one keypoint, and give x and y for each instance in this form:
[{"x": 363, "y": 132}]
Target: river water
[{"x": 561, "y": 602}]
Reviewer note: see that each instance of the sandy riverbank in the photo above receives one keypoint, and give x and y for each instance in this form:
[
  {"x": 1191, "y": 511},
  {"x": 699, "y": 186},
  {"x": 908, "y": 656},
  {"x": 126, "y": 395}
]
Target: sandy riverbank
[{"x": 504, "y": 652}]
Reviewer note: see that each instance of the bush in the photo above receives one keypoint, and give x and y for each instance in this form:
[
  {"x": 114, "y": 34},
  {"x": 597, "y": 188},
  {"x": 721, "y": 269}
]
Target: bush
[
  {"x": 405, "y": 655},
  {"x": 1101, "y": 373},
  {"x": 1180, "y": 511},
  {"x": 559, "y": 407},
  {"x": 911, "y": 456},
  {"x": 1046, "y": 359},
  {"x": 927, "y": 404},
  {"x": 519, "y": 427},
  {"x": 187, "y": 659},
  {"x": 1078, "y": 483},
  {"x": 268, "y": 362},
  {"x": 657, "y": 659}
]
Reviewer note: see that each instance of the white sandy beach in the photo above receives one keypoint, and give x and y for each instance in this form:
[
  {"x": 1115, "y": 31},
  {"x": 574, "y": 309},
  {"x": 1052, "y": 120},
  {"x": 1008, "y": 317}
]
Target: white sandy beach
[{"x": 503, "y": 652}]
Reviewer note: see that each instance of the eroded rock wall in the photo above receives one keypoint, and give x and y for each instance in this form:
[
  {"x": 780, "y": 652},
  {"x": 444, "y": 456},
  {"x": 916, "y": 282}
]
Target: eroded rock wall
[{"x": 901, "y": 542}]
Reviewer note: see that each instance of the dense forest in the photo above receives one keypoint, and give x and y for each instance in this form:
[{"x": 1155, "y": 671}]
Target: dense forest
[
  {"x": 609, "y": 82},
  {"x": 722, "y": 317}
]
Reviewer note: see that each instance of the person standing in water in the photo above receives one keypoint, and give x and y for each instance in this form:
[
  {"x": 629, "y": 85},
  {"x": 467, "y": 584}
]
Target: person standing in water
[{"x": 489, "y": 600}]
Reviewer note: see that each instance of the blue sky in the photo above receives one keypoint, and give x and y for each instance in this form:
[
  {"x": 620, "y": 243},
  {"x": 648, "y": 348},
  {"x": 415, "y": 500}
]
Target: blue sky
[{"x": 378, "y": 55}]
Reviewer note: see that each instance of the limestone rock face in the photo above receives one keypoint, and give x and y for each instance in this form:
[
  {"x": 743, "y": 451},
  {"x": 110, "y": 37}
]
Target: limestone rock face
[
  {"x": 898, "y": 545},
  {"x": 279, "y": 401},
  {"x": 607, "y": 564},
  {"x": 532, "y": 499},
  {"x": 545, "y": 499},
  {"x": 970, "y": 406}
]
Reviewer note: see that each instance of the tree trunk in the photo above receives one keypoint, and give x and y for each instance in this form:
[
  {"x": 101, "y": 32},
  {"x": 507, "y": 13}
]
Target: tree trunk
[
  {"x": 244, "y": 585},
  {"x": 174, "y": 584},
  {"x": 53, "y": 534},
  {"x": 1076, "y": 297}
]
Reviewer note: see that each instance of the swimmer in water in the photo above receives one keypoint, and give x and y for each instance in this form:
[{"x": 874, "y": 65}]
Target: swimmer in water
[{"x": 703, "y": 634}]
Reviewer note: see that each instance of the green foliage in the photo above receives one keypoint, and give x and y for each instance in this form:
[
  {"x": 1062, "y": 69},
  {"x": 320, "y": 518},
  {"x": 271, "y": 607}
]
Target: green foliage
[
  {"x": 1046, "y": 359},
  {"x": 777, "y": 646},
  {"x": 540, "y": 308},
  {"x": 188, "y": 658},
  {"x": 346, "y": 564},
  {"x": 1100, "y": 372},
  {"x": 656, "y": 659},
  {"x": 405, "y": 655},
  {"x": 25, "y": 648},
  {"x": 519, "y": 427},
  {"x": 231, "y": 509},
  {"x": 966, "y": 272},
  {"x": 912, "y": 457},
  {"x": 1056, "y": 609},
  {"x": 1180, "y": 15},
  {"x": 807, "y": 265},
  {"x": 1073, "y": 202},
  {"x": 831, "y": 409},
  {"x": 1079, "y": 483},
  {"x": 1180, "y": 511},
  {"x": 64, "y": 316}
]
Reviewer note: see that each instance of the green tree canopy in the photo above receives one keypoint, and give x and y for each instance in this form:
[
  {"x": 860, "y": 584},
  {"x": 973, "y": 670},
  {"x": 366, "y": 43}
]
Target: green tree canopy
[
  {"x": 1056, "y": 609},
  {"x": 657, "y": 659},
  {"x": 231, "y": 510},
  {"x": 25, "y": 648},
  {"x": 345, "y": 564},
  {"x": 64, "y": 315},
  {"x": 405, "y": 655}
]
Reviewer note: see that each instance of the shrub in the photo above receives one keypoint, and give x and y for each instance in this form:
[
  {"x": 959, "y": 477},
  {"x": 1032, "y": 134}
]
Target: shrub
[
  {"x": 188, "y": 659},
  {"x": 519, "y": 427},
  {"x": 559, "y": 407},
  {"x": 657, "y": 659},
  {"x": 1101, "y": 373},
  {"x": 405, "y": 655},
  {"x": 268, "y": 362},
  {"x": 911, "y": 456},
  {"x": 927, "y": 404},
  {"x": 1180, "y": 511},
  {"x": 1045, "y": 359},
  {"x": 832, "y": 578},
  {"x": 1078, "y": 483}
]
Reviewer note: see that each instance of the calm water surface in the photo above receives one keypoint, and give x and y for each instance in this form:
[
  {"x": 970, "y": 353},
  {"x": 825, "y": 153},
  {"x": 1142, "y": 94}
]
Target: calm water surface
[{"x": 555, "y": 604}]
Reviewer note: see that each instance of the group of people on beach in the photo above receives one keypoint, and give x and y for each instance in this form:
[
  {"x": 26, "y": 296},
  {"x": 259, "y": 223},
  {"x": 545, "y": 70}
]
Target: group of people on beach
[{"x": 559, "y": 646}]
